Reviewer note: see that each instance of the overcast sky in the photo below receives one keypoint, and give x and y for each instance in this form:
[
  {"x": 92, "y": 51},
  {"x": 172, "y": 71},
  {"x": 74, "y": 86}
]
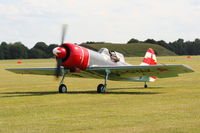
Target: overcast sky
[{"x": 117, "y": 21}]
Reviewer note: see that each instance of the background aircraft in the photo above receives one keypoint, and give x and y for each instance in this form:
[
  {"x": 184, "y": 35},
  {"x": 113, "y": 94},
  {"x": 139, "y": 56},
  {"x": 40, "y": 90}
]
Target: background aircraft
[{"x": 77, "y": 61}]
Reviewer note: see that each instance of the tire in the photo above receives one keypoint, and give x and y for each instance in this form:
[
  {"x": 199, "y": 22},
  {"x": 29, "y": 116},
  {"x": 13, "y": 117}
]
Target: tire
[
  {"x": 62, "y": 88},
  {"x": 101, "y": 88},
  {"x": 145, "y": 86}
]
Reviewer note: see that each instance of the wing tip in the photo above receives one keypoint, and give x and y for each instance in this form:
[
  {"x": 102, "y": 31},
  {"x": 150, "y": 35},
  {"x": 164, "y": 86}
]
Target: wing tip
[{"x": 188, "y": 68}]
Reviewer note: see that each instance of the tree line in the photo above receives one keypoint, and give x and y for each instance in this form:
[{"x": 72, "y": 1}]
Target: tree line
[
  {"x": 180, "y": 47},
  {"x": 18, "y": 50}
]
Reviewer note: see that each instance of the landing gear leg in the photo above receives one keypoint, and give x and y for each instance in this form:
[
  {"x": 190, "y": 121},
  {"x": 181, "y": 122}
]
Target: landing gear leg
[
  {"x": 62, "y": 87},
  {"x": 145, "y": 85},
  {"x": 102, "y": 88}
]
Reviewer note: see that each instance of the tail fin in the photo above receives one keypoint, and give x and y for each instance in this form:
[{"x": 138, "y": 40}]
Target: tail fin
[{"x": 150, "y": 59}]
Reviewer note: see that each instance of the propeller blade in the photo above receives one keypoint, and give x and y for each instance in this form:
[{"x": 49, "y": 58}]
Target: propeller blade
[
  {"x": 64, "y": 28},
  {"x": 58, "y": 60}
]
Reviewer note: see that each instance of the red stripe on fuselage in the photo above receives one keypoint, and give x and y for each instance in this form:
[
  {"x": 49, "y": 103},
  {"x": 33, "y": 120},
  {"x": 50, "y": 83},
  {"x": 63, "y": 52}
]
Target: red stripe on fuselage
[{"x": 85, "y": 60}]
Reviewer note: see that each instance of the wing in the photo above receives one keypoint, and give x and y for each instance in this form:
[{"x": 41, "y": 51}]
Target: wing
[
  {"x": 126, "y": 72},
  {"x": 116, "y": 72},
  {"x": 37, "y": 71}
]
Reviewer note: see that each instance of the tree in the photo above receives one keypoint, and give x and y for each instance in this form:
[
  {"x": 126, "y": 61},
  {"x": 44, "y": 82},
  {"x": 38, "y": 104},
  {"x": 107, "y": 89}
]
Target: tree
[
  {"x": 5, "y": 50},
  {"x": 42, "y": 47},
  {"x": 18, "y": 51},
  {"x": 133, "y": 40},
  {"x": 1, "y": 53},
  {"x": 161, "y": 42},
  {"x": 35, "y": 53},
  {"x": 150, "y": 41},
  {"x": 179, "y": 46},
  {"x": 197, "y": 46}
]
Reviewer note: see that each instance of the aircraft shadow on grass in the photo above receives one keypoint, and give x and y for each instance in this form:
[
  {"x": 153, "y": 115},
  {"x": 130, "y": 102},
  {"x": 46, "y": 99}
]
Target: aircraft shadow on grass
[
  {"x": 142, "y": 88},
  {"x": 24, "y": 94}
]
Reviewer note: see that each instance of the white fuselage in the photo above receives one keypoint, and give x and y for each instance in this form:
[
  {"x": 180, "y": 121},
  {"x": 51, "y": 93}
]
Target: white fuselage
[{"x": 103, "y": 58}]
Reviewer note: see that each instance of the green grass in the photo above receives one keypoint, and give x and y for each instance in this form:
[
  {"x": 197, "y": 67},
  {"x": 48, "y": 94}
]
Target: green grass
[
  {"x": 31, "y": 104},
  {"x": 134, "y": 49}
]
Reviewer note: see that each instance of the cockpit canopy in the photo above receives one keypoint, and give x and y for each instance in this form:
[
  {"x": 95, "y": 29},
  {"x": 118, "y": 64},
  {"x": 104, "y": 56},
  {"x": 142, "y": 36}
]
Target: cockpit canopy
[{"x": 105, "y": 51}]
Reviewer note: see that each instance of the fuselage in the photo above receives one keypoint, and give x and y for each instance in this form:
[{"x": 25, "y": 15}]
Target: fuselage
[{"x": 75, "y": 57}]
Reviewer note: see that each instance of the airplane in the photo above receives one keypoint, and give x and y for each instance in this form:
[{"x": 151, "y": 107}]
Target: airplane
[{"x": 77, "y": 61}]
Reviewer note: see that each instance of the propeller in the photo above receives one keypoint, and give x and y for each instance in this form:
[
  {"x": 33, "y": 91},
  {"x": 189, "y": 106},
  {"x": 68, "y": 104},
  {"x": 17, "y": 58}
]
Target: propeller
[
  {"x": 58, "y": 50},
  {"x": 64, "y": 28}
]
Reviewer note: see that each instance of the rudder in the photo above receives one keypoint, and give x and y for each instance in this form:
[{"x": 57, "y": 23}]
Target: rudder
[{"x": 150, "y": 59}]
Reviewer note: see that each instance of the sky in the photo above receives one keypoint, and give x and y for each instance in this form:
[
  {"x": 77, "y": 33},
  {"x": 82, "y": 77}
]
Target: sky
[{"x": 116, "y": 21}]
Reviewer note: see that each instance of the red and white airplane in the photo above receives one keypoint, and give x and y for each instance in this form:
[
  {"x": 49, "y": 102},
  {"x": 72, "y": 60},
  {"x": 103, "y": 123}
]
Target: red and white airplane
[{"x": 77, "y": 61}]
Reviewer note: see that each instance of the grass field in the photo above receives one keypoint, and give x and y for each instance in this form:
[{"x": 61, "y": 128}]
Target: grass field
[{"x": 31, "y": 104}]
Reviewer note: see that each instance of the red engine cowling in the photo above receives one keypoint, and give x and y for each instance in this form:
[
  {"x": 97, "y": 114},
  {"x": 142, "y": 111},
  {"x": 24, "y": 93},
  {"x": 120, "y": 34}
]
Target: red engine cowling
[{"x": 73, "y": 56}]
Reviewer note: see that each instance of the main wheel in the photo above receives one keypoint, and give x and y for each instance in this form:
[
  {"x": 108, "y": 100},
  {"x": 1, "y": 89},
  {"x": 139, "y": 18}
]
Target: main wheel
[
  {"x": 145, "y": 86},
  {"x": 101, "y": 88},
  {"x": 62, "y": 88}
]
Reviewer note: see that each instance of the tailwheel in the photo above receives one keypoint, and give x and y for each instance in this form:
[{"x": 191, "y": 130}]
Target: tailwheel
[
  {"x": 62, "y": 88},
  {"x": 101, "y": 88}
]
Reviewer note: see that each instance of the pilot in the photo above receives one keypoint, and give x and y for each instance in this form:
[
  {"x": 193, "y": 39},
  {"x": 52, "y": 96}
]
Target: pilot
[{"x": 113, "y": 56}]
